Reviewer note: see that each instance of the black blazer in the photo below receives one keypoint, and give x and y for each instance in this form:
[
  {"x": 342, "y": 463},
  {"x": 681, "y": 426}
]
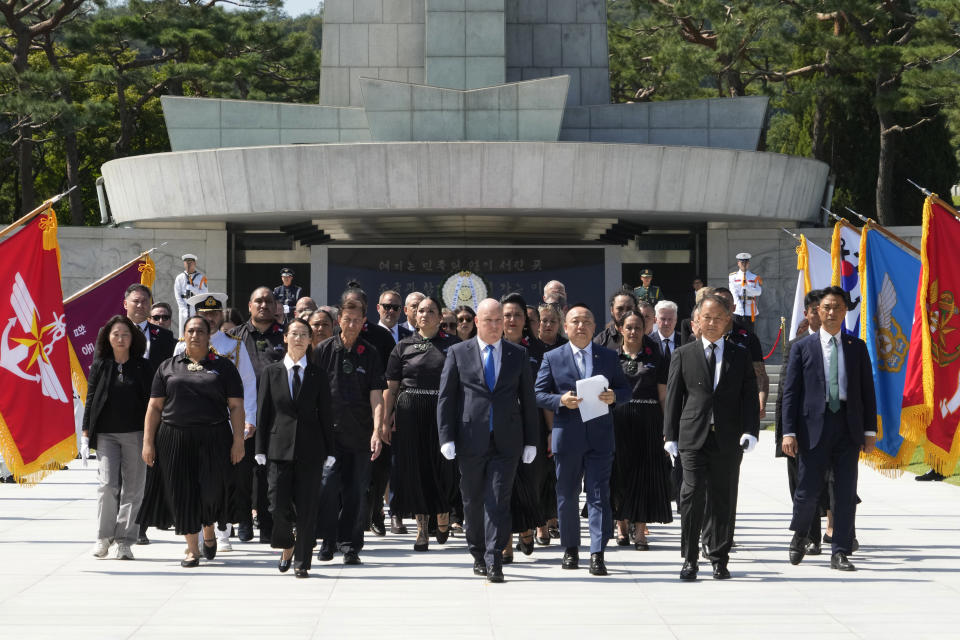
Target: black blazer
[
  {"x": 778, "y": 415},
  {"x": 804, "y": 390},
  {"x": 101, "y": 375},
  {"x": 162, "y": 344},
  {"x": 289, "y": 429},
  {"x": 691, "y": 399},
  {"x": 463, "y": 409}
]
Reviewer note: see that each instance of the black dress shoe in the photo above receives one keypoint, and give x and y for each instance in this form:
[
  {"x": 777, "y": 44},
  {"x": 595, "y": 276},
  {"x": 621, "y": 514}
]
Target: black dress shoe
[
  {"x": 443, "y": 536},
  {"x": 597, "y": 566},
  {"x": 377, "y": 525},
  {"x": 813, "y": 548},
  {"x": 839, "y": 562},
  {"x": 326, "y": 552},
  {"x": 571, "y": 558},
  {"x": 494, "y": 574},
  {"x": 351, "y": 557},
  {"x": 930, "y": 476},
  {"x": 720, "y": 571},
  {"x": 397, "y": 526},
  {"x": 526, "y": 548},
  {"x": 188, "y": 563},
  {"x": 301, "y": 573},
  {"x": 245, "y": 531},
  {"x": 689, "y": 571},
  {"x": 798, "y": 548},
  {"x": 141, "y": 539},
  {"x": 284, "y": 565},
  {"x": 827, "y": 538},
  {"x": 553, "y": 532},
  {"x": 641, "y": 545},
  {"x": 541, "y": 541},
  {"x": 479, "y": 568},
  {"x": 209, "y": 551},
  {"x": 623, "y": 541}
]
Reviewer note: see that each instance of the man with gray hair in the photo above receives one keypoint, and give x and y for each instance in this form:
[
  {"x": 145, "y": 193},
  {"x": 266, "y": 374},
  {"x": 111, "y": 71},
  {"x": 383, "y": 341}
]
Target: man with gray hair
[
  {"x": 666, "y": 334},
  {"x": 410, "y": 305}
]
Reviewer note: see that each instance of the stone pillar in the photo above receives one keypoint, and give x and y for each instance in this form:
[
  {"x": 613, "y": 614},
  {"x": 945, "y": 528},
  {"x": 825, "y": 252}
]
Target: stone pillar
[{"x": 465, "y": 43}]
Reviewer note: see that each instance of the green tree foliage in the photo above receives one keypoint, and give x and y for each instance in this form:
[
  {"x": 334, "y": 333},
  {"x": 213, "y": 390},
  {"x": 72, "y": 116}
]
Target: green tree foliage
[{"x": 93, "y": 85}]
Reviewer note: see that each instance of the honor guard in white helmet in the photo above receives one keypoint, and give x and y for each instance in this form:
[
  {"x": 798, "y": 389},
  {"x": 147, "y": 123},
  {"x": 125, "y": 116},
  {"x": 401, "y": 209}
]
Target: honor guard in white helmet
[
  {"x": 189, "y": 283},
  {"x": 746, "y": 287}
]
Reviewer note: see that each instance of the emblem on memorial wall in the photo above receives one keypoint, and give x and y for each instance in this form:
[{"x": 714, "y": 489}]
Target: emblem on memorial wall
[{"x": 463, "y": 288}]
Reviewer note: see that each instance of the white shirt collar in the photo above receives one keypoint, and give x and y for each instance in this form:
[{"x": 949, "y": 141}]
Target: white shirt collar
[
  {"x": 706, "y": 343},
  {"x": 289, "y": 363},
  {"x": 587, "y": 350},
  {"x": 662, "y": 337},
  {"x": 825, "y": 337},
  {"x": 483, "y": 345}
]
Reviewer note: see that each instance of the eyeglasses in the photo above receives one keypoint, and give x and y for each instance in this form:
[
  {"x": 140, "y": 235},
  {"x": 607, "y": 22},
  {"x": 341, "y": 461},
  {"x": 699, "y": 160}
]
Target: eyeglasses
[
  {"x": 158, "y": 318},
  {"x": 390, "y": 307},
  {"x": 449, "y": 325},
  {"x": 464, "y": 319}
]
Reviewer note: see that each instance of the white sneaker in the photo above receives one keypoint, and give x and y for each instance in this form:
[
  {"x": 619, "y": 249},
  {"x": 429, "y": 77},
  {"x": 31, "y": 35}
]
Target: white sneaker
[
  {"x": 224, "y": 545},
  {"x": 124, "y": 552},
  {"x": 102, "y": 548}
]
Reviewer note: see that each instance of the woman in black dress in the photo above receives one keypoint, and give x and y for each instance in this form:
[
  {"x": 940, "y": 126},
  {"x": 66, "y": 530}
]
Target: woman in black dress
[
  {"x": 187, "y": 438},
  {"x": 640, "y": 491},
  {"x": 424, "y": 481},
  {"x": 525, "y": 511},
  {"x": 117, "y": 395},
  {"x": 466, "y": 327}
]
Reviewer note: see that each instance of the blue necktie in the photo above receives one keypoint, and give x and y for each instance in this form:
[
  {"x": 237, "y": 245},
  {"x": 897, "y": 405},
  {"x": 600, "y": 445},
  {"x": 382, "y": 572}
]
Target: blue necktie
[
  {"x": 581, "y": 365},
  {"x": 490, "y": 376}
]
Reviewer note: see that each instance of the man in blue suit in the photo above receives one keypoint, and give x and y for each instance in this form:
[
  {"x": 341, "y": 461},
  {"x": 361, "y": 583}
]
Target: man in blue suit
[
  {"x": 581, "y": 450},
  {"x": 829, "y": 416},
  {"x": 487, "y": 416}
]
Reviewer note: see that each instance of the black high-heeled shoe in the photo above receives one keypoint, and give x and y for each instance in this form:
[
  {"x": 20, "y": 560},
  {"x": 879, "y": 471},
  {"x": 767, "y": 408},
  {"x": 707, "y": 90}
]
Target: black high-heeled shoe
[
  {"x": 442, "y": 536},
  {"x": 190, "y": 561},
  {"x": 284, "y": 565},
  {"x": 525, "y": 546},
  {"x": 210, "y": 550}
]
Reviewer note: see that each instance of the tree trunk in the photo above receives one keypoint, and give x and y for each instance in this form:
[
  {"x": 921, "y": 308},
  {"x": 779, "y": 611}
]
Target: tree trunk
[
  {"x": 24, "y": 131},
  {"x": 885, "y": 158},
  {"x": 69, "y": 144}
]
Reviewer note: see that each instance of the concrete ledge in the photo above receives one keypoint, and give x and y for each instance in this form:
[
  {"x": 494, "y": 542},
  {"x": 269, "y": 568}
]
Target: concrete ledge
[{"x": 634, "y": 181}]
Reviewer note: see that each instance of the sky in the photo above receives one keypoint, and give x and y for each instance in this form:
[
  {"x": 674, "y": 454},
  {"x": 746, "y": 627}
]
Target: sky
[{"x": 295, "y": 8}]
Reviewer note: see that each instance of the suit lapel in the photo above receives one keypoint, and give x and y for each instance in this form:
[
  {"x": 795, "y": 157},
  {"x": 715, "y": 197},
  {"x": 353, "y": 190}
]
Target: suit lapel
[
  {"x": 725, "y": 362},
  {"x": 817, "y": 349},
  {"x": 700, "y": 357},
  {"x": 507, "y": 356}
]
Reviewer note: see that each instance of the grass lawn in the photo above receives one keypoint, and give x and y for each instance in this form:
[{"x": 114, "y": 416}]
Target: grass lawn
[{"x": 919, "y": 467}]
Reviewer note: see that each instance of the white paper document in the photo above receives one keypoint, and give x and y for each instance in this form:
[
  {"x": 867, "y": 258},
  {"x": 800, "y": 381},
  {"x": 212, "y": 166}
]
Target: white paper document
[{"x": 590, "y": 390}]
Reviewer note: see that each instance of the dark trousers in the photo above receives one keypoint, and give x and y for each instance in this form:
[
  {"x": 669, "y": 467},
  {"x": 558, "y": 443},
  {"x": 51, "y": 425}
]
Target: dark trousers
[
  {"x": 486, "y": 483},
  {"x": 379, "y": 477},
  {"x": 715, "y": 468},
  {"x": 835, "y": 452},
  {"x": 251, "y": 490},
  {"x": 792, "y": 470},
  {"x": 343, "y": 500},
  {"x": 294, "y": 495},
  {"x": 590, "y": 470}
]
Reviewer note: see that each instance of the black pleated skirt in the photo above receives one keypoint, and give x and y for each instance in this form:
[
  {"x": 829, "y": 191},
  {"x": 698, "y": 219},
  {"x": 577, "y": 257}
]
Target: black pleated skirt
[
  {"x": 640, "y": 482},
  {"x": 425, "y": 481},
  {"x": 189, "y": 486},
  {"x": 547, "y": 475},
  {"x": 525, "y": 511}
]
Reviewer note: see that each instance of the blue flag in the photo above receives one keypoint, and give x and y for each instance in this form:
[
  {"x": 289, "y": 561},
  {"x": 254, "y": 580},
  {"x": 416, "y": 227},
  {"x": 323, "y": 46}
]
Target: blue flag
[{"x": 888, "y": 279}]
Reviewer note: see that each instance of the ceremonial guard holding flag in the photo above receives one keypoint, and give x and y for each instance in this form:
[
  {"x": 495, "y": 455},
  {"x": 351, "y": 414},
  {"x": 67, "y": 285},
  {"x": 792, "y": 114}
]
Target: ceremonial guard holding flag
[{"x": 746, "y": 288}]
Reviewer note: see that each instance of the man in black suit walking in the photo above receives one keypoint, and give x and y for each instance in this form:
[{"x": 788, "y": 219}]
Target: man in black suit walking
[
  {"x": 829, "y": 416},
  {"x": 711, "y": 417},
  {"x": 487, "y": 414}
]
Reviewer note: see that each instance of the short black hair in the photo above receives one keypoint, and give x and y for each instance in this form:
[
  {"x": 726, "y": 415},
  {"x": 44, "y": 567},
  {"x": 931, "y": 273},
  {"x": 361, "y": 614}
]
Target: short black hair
[
  {"x": 136, "y": 286},
  {"x": 813, "y": 298},
  {"x": 712, "y": 297},
  {"x": 836, "y": 291},
  {"x": 722, "y": 290},
  {"x": 162, "y": 305},
  {"x": 629, "y": 314},
  {"x": 354, "y": 289},
  {"x": 513, "y": 297},
  {"x": 623, "y": 292},
  {"x": 138, "y": 342}
]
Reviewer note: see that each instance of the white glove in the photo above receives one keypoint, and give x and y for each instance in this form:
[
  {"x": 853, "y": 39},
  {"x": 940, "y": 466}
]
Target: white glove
[
  {"x": 529, "y": 453},
  {"x": 750, "y": 440},
  {"x": 449, "y": 450},
  {"x": 671, "y": 449},
  {"x": 261, "y": 459},
  {"x": 329, "y": 462},
  {"x": 84, "y": 449}
]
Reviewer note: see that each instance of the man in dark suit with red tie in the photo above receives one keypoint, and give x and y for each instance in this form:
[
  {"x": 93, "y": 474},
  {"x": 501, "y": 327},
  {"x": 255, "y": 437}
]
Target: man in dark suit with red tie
[
  {"x": 487, "y": 417},
  {"x": 829, "y": 417}
]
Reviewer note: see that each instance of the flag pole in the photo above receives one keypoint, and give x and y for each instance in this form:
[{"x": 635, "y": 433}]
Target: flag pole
[
  {"x": 94, "y": 285},
  {"x": 935, "y": 197},
  {"x": 43, "y": 207},
  {"x": 790, "y": 233},
  {"x": 882, "y": 229}
]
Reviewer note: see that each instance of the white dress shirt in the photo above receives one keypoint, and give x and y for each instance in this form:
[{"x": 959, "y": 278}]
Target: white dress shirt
[
  {"x": 706, "y": 353},
  {"x": 587, "y": 358},
  {"x": 671, "y": 341},
  {"x": 146, "y": 334},
  {"x": 289, "y": 364},
  {"x": 841, "y": 365},
  {"x": 497, "y": 355}
]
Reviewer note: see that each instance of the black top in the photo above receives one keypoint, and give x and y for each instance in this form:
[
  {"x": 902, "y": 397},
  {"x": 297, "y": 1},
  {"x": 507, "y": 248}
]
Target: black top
[
  {"x": 263, "y": 347},
  {"x": 380, "y": 338},
  {"x": 196, "y": 398},
  {"x": 609, "y": 337},
  {"x": 535, "y": 350},
  {"x": 353, "y": 373},
  {"x": 123, "y": 406},
  {"x": 742, "y": 335},
  {"x": 559, "y": 343},
  {"x": 418, "y": 363},
  {"x": 645, "y": 371},
  {"x": 128, "y": 400}
]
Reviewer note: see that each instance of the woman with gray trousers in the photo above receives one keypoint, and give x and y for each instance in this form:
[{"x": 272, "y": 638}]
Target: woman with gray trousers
[{"x": 118, "y": 389}]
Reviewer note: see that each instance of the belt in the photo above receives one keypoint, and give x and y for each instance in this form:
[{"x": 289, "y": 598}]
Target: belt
[{"x": 645, "y": 401}]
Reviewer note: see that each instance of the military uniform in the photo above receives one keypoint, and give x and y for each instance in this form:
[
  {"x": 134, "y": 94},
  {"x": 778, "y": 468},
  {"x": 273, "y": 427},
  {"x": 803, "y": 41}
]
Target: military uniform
[
  {"x": 185, "y": 287},
  {"x": 746, "y": 289},
  {"x": 649, "y": 294}
]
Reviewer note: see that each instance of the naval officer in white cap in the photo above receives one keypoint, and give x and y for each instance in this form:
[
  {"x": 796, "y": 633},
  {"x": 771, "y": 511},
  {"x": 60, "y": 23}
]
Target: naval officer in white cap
[
  {"x": 188, "y": 284},
  {"x": 746, "y": 288}
]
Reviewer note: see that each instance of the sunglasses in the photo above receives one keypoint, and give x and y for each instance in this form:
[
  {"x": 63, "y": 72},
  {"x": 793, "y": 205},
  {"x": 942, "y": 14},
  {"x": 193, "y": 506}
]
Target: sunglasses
[
  {"x": 390, "y": 307},
  {"x": 449, "y": 325},
  {"x": 158, "y": 318}
]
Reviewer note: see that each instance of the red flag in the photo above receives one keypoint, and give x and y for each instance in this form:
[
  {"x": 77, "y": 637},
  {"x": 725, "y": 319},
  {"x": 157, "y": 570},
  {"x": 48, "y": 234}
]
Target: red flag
[
  {"x": 931, "y": 398},
  {"x": 36, "y": 404}
]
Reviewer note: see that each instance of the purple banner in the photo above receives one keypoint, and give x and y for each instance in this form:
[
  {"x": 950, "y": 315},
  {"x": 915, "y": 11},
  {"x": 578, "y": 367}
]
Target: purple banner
[{"x": 90, "y": 311}]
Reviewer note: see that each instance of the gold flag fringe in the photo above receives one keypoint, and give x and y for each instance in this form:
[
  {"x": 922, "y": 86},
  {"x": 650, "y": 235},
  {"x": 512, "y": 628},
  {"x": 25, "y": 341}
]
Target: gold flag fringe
[
  {"x": 944, "y": 462},
  {"x": 862, "y": 275},
  {"x": 30, "y": 473},
  {"x": 77, "y": 376},
  {"x": 148, "y": 272},
  {"x": 48, "y": 224},
  {"x": 836, "y": 277},
  {"x": 803, "y": 263}
]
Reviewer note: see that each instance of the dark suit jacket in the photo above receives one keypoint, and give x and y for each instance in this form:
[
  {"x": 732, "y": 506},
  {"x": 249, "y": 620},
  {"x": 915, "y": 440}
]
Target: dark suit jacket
[
  {"x": 162, "y": 344},
  {"x": 558, "y": 374},
  {"x": 686, "y": 331},
  {"x": 289, "y": 429},
  {"x": 101, "y": 375},
  {"x": 804, "y": 392},
  {"x": 403, "y": 332},
  {"x": 778, "y": 415},
  {"x": 691, "y": 399},
  {"x": 463, "y": 410}
]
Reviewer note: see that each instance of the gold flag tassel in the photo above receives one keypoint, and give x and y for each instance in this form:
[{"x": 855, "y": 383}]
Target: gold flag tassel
[
  {"x": 148, "y": 271},
  {"x": 48, "y": 224}
]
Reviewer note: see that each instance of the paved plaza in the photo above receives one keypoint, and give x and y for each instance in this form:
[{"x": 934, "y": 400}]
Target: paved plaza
[{"x": 907, "y": 585}]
